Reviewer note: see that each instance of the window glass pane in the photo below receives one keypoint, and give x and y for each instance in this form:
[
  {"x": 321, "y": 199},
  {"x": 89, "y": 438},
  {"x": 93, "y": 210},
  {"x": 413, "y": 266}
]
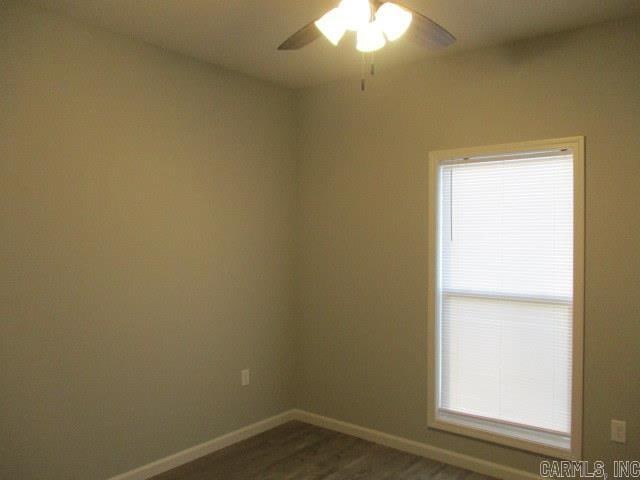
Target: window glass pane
[
  {"x": 507, "y": 360},
  {"x": 505, "y": 290},
  {"x": 509, "y": 226}
]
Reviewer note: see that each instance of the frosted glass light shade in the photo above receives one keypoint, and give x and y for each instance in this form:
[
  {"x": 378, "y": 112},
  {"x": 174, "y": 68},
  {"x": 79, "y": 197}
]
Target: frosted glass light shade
[
  {"x": 370, "y": 38},
  {"x": 394, "y": 20},
  {"x": 332, "y": 25},
  {"x": 355, "y": 13}
]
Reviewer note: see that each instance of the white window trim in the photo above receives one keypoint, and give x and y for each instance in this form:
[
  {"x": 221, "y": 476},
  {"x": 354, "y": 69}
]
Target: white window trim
[{"x": 484, "y": 431}]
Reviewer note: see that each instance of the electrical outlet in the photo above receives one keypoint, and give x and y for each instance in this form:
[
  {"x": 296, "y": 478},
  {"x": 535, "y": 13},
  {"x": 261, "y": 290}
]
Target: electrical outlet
[
  {"x": 245, "y": 377},
  {"x": 618, "y": 431}
]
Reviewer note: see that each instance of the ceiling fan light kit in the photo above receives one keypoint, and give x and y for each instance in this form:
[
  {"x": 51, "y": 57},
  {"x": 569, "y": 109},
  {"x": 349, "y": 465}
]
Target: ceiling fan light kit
[{"x": 372, "y": 26}]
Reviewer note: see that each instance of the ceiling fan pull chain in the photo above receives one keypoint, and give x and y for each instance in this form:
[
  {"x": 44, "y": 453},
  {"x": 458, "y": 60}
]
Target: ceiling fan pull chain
[
  {"x": 373, "y": 65},
  {"x": 362, "y": 75}
]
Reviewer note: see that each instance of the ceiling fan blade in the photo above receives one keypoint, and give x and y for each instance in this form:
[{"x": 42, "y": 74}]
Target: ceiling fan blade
[
  {"x": 426, "y": 32},
  {"x": 301, "y": 38}
]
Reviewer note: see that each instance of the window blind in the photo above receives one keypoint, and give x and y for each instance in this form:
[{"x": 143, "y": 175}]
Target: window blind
[{"x": 505, "y": 294}]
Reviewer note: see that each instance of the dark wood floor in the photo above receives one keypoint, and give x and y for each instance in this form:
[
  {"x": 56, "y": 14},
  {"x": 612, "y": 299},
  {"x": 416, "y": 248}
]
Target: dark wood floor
[{"x": 303, "y": 452}]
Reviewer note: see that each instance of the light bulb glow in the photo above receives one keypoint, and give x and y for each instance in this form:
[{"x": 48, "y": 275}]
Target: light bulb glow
[
  {"x": 394, "y": 20},
  {"x": 332, "y": 25},
  {"x": 370, "y": 38},
  {"x": 355, "y": 13}
]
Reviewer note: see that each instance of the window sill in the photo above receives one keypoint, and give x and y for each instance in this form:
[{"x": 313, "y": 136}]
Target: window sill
[{"x": 544, "y": 443}]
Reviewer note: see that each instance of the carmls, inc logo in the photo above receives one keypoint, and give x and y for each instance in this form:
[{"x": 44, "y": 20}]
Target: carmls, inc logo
[{"x": 586, "y": 469}]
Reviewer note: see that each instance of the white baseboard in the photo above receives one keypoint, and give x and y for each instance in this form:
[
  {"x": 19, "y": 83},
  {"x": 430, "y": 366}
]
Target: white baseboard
[
  {"x": 193, "y": 453},
  {"x": 416, "y": 448},
  {"x": 399, "y": 443}
]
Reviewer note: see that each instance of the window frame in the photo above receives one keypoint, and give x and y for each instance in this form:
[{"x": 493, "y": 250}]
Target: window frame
[{"x": 577, "y": 146}]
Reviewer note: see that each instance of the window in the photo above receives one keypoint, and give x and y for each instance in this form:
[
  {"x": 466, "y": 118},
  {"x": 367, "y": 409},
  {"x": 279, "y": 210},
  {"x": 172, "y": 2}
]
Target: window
[{"x": 506, "y": 294}]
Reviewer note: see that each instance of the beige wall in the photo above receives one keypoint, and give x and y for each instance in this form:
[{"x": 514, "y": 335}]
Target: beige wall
[
  {"x": 362, "y": 250},
  {"x": 146, "y": 208}
]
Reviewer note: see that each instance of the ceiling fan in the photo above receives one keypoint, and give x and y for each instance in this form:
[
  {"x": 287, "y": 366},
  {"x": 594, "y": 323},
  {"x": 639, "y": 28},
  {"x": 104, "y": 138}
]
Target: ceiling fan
[{"x": 375, "y": 22}]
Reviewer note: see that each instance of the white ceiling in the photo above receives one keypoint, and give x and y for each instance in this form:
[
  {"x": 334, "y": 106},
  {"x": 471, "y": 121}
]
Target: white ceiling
[{"x": 243, "y": 35}]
